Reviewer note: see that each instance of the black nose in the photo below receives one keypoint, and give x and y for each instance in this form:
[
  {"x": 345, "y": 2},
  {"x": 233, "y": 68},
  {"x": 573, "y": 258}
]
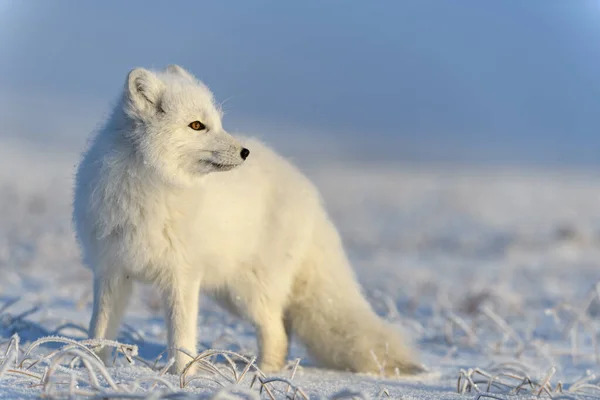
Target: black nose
[{"x": 244, "y": 153}]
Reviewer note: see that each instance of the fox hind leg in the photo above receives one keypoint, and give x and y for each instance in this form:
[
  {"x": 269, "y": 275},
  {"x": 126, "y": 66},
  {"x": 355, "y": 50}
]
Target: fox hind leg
[
  {"x": 272, "y": 331},
  {"x": 272, "y": 342}
]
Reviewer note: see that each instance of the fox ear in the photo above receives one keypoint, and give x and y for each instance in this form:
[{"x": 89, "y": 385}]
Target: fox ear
[
  {"x": 177, "y": 70},
  {"x": 143, "y": 88}
]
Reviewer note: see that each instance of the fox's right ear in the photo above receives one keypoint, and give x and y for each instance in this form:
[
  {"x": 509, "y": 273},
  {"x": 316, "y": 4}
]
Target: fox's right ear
[
  {"x": 143, "y": 88},
  {"x": 177, "y": 70}
]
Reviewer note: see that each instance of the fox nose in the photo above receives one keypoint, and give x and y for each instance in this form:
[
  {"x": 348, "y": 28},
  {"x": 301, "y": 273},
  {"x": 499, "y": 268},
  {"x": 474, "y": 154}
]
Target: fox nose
[{"x": 244, "y": 153}]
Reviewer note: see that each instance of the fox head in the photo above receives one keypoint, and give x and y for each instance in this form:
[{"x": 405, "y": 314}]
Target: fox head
[{"x": 177, "y": 127}]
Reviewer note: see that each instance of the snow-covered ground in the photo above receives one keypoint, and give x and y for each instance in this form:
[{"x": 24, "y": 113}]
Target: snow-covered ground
[{"x": 483, "y": 268}]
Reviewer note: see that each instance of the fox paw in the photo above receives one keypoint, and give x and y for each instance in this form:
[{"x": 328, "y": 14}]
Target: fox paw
[{"x": 271, "y": 367}]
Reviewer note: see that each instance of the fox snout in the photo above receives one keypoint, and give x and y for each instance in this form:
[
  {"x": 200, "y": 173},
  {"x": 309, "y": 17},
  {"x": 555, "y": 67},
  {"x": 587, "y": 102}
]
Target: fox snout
[
  {"x": 226, "y": 152},
  {"x": 244, "y": 153},
  {"x": 227, "y": 155}
]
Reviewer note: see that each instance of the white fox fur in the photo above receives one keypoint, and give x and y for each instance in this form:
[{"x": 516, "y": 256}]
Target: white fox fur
[{"x": 150, "y": 205}]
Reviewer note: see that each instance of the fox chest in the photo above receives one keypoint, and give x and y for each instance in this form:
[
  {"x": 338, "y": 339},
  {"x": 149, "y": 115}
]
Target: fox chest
[
  {"x": 157, "y": 244},
  {"x": 188, "y": 238}
]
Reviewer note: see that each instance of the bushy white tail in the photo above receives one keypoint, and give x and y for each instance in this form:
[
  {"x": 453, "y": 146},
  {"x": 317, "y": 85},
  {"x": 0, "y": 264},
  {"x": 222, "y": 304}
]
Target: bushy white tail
[{"x": 336, "y": 323}]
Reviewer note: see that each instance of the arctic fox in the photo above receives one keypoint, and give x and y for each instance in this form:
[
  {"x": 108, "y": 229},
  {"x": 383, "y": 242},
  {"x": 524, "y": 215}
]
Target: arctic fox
[{"x": 152, "y": 203}]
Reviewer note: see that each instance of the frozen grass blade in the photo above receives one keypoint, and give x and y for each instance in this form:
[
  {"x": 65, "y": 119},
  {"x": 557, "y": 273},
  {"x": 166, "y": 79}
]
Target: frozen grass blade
[
  {"x": 245, "y": 371},
  {"x": 545, "y": 386},
  {"x": 503, "y": 325}
]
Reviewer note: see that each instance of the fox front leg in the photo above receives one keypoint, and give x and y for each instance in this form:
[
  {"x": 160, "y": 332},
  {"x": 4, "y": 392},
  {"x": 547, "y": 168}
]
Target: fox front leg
[
  {"x": 111, "y": 295},
  {"x": 181, "y": 316}
]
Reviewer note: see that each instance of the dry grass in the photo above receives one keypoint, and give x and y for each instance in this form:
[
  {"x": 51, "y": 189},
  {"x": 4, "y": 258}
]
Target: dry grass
[
  {"x": 73, "y": 370},
  {"x": 514, "y": 378}
]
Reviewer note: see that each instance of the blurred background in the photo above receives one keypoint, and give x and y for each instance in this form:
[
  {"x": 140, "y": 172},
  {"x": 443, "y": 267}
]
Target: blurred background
[{"x": 464, "y": 82}]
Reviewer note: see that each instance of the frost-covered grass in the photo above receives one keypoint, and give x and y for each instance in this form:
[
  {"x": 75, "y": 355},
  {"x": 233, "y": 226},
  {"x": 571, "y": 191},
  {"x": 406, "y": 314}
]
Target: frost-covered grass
[{"x": 492, "y": 273}]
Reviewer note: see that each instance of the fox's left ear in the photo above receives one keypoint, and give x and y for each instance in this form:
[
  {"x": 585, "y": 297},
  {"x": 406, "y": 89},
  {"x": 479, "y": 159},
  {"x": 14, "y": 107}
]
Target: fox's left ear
[
  {"x": 177, "y": 70},
  {"x": 144, "y": 88}
]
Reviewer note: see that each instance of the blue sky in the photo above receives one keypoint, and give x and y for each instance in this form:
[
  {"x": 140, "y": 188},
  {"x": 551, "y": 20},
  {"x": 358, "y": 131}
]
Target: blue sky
[{"x": 465, "y": 81}]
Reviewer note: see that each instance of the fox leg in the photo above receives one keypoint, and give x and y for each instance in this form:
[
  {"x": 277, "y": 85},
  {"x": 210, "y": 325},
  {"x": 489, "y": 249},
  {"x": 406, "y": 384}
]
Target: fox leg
[
  {"x": 266, "y": 312},
  {"x": 272, "y": 329},
  {"x": 181, "y": 316},
  {"x": 111, "y": 295},
  {"x": 272, "y": 340}
]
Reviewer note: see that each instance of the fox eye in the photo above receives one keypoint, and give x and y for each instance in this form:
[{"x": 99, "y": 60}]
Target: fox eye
[{"x": 197, "y": 126}]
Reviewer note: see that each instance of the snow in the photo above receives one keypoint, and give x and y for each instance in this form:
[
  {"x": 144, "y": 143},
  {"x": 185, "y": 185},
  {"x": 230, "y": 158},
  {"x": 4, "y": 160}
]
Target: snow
[{"x": 486, "y": 270}]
